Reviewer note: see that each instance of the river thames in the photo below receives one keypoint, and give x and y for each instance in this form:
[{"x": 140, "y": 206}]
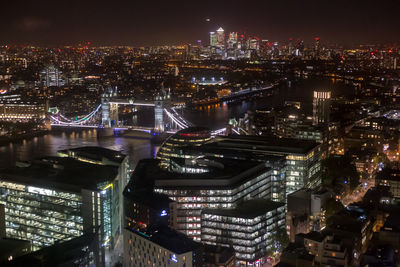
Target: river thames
[{"x": 213, "y": 117}]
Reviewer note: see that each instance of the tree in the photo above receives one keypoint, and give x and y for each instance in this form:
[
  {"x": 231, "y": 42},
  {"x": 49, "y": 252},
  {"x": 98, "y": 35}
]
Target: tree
[
  {"x": 280, "y": 239},
  {"x": 331, "y": 207},
  {"x": 339, "y": 172}
]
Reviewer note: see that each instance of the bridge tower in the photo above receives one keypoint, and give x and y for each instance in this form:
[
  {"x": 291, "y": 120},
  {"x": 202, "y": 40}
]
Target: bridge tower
[
  {"x": 109, "y": 111},
  {"x": 162, "y": 100}
]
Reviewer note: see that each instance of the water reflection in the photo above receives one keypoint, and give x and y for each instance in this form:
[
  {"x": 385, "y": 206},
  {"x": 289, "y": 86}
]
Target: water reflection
[
  {"x": 49, "y": 144},
  {"x": 213, "y": 116}
]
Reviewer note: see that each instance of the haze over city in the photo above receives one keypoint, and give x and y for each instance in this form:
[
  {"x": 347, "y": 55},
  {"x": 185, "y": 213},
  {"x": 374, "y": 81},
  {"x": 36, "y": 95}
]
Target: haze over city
[{"x": 145, "y": 23}]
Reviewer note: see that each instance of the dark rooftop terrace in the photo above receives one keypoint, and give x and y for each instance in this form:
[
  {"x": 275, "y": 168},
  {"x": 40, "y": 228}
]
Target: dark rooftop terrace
[
  {"x": 61, "y": 173},
  {"x": 266, "y": 144},
  {"x": 97, "y": 153},
  {"x": 233, "y": 172},
  {"x": 169, "y": 239}
]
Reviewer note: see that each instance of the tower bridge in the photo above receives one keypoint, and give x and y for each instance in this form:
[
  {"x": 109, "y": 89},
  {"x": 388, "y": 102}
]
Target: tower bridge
[{"x": 105, "y": 115}]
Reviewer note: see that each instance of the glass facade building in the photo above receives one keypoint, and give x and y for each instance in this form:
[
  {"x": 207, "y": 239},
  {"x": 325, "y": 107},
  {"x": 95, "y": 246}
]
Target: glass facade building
[
  {"x": 105, "y": 157},
  {"x": 174, "y": 147},
  {"x": 249, "y": 228},
  {"x": 210, "y": 179},
  {"x": 160, "y": 247},
  {"x": 57, "y": 199},
  {"x": 41, "y": 215},
  {"x": 194, "y": 195},
  {"x": 303, "y": 157}
]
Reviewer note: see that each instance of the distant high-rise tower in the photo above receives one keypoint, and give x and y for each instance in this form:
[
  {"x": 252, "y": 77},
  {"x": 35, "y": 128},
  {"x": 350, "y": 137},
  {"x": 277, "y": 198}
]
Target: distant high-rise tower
[
  {"x": 316, "y": 47},
  {"x": 233, "y": 39},
  {"x": 221, "y": 37},
  {"x": 51, "y": 76},
  {"x": 321, "y": 106},
  {"x": 213, "y": 39}
]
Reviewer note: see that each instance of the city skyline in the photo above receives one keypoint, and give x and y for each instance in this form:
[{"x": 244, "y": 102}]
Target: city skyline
[
  {"x": 140, "y": 24},
  {"x": 200, "y": 134}
]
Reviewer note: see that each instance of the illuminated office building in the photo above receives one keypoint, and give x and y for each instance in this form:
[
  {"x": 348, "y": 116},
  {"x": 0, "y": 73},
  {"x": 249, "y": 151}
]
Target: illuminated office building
[
  {"x": 254, "y": 44},
  {"x": 223, "y": 186},
  {"x": 196, "y": 179},
  {"x": 194, "y": 136},
  {"x": 303, "y": 157},
  {"x": 213, "y": 39},
  {"x": 214, "y": 181},
  {"x": 248, "y": 228},
  {"x": 221, "y": 37},
  {"x": 106, "y": 157},
  {"x": 233, "y": 38},
  {"x": 13, "y": 108},
  {"x": 211, "y": 180},
  {"x": 52, "y": 76},
  {"x": 321, "y": 107},
  {"x": 207, "y": 183},
  {"x": 56, "y": 199},
  {"x": 160, "y": 246}
]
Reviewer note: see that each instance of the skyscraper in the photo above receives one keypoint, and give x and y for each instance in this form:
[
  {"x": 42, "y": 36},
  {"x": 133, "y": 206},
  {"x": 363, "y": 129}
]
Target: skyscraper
[
  {"x": 316, "y": 47},
  {"x": 57, "y": 199},
  {"x": 233, "y": 39},
  {"x": 213, "y": 39},
  {"x": 51, "y": 76},
  {"x": 254, "y": 43},
  {"x": 221, "y": 37},
  {"x": 321, "y": 105}
]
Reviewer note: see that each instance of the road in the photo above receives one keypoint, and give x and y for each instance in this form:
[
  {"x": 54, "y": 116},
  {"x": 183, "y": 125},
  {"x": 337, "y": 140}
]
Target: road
[{"x": 358, "y": 193}]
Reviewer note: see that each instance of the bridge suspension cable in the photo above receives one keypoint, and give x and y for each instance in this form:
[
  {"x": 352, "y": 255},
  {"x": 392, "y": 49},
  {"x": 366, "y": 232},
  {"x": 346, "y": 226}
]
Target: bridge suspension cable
[
  {"x": 67, "y": 121},
  {"x": 180, "y": 124}
]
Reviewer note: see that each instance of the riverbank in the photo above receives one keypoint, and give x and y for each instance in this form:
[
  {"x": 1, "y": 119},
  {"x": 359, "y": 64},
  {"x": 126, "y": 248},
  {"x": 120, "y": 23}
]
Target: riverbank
[{"x": 4, "y": 140}]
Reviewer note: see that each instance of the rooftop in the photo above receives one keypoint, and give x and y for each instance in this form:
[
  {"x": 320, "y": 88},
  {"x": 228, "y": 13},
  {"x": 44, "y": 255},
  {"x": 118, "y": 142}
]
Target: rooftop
[
  {"x": 267, "y": 144},
  {"x": 59, "y": 254},
  {"x": 9, "y": 246},
  {"x": 389, "y": 174},
  {"x": 313, "y": 235},
  {"x": 232, "y": 173},
  {"x": 304, "y": 193},
  {"x": 168, "y": 238},
  {"x": 248, "y": 209},
  {"x": 61, "y": 173},
  {"x": 96, "y": 153},
  {"x": 212, "y": 148},
  {"x": 193, "y": 130},
  {"x": 392, "y": 223},
  {"x": 150, "y": 199}
]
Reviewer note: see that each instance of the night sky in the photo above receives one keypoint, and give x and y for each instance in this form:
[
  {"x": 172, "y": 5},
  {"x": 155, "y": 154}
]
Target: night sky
[{"x": 147, "y": 22}]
